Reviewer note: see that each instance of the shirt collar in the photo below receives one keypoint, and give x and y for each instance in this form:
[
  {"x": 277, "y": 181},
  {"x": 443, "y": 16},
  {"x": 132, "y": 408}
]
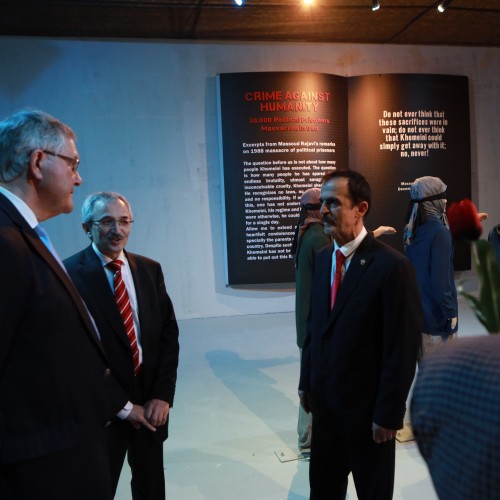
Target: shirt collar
[
  {"x": 349, "y": 248},
  {"x": 21, "y": 206},
  {"x": 105, "y": 259}
]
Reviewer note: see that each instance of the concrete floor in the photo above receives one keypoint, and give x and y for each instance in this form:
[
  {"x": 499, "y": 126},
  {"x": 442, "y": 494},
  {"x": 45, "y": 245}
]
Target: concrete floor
[{"x": 235, "y": 412}]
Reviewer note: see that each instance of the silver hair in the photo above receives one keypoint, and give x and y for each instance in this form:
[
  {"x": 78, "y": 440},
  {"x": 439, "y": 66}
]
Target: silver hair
[
  {"x": 24, "y": 132},
  {"x": 104, "y": 197}
]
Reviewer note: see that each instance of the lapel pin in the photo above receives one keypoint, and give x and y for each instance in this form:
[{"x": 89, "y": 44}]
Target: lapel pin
[{"x": 362, "y": 262}]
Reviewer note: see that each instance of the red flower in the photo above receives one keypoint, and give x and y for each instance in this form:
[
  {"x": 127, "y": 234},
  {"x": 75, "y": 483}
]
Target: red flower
[{"x": 464, "y": 221}]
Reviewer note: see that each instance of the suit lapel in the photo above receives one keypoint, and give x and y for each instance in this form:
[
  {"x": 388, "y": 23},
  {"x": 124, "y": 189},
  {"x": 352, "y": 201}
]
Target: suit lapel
[
  {"x": 360, "y": 262},
  {"x": 325, "y": 273},
  {"x": 93, "y": 275},
  {"x": 132, "y": 262},
  {"x": 47, "y": 256}
]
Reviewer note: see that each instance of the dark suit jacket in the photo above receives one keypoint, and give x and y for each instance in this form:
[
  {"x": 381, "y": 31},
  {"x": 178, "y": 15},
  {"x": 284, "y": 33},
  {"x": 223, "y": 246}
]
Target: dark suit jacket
[
  {"x": 359, "y": 359},
  {"x": 55, "y": 384},
  {"x": 158, "y": 327}
]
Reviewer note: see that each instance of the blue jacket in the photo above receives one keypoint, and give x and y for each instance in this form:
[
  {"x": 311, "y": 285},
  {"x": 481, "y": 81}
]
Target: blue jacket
[
  {"x": 431, "y": 252},
  {"x": 494, "y": 238}
]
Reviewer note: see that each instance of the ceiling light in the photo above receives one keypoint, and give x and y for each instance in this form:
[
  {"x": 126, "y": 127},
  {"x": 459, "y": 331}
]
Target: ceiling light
[
  {"x": 444, "y": 5},
  {"x": 238, "y": 2},
  {"x": 375, "y": 5}
]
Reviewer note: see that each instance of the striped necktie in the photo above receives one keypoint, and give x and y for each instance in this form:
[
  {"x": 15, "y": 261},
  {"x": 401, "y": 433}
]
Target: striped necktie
[{"x": 123, "y": 303}]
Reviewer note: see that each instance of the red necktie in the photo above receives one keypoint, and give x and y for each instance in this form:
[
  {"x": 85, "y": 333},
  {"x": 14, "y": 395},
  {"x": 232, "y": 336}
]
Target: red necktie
[
  {"x": 123, "y": 303},
  {"x": 339, "y": 262}
]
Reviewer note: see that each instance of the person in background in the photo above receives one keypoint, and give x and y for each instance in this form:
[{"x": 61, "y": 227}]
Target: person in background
[
  {"x": 494, "y": 238},
  {"x": 428, "y": 244},
  {"x": 360, "y": 353},
  {"x": 57, "y": 392},
  {"x": 127, "y": 297},
  {"x": 309, "y": 238},
  {"x": 455, "y": 412}
]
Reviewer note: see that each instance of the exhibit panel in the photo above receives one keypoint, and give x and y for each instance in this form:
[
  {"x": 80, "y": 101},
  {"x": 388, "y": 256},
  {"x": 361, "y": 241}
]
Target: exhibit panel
[{"x": 281, "y": 132}]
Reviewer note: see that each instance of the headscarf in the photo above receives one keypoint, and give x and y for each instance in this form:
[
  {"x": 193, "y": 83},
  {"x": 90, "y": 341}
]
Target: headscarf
[
  {"x": 427, "y": 198},
  {"x": 309, "y": 214}
]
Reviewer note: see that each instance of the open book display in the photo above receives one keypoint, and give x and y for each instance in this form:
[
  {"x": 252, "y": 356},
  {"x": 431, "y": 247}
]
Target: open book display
[{"x": 281, "y": 131}]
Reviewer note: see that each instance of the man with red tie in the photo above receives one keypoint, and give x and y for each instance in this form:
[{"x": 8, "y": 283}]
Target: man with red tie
[
  {"x": 360, "y": 354},
  {"x": 126, "y": 295}
]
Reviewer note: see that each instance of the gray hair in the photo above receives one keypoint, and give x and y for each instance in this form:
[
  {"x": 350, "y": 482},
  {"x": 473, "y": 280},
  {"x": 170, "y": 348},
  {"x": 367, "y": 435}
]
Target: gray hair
[
  {"x": 104, "y": 197},
  {"x": 24, "y": 132}
]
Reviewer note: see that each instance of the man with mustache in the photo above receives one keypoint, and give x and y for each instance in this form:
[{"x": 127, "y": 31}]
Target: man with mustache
[
  {"x": 126, "y": 295},
  {"x": 360, "y": 354}
]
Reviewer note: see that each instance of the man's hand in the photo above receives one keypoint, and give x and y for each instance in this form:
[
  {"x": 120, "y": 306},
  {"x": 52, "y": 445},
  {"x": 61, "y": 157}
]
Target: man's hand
[
  {"x": 136, "y": 418},
  {"x": 453, "y": 323},
  {"x": 383, "y": 230},
  {"x": 304, "y": 401},
  {"x": 381, "y": 435},
  {"x": 156, "y": 412}
]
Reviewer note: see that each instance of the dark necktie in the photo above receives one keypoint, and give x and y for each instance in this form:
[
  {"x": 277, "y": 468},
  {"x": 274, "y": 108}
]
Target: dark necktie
[
  {"x": 123, "y": 303},
  {"x": 339, "y": 262}
]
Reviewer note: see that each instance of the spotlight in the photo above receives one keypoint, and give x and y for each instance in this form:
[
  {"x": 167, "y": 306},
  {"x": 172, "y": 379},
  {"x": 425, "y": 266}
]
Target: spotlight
[
  {"x": 238, "y": 2},
  {"x": 375, "y": 5},
  {"x": 444, "y": 5}
]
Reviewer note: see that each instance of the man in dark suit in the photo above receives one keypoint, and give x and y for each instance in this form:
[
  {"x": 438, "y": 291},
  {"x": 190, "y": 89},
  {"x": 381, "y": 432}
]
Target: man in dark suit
[
  {"x": 57, "y": 392},
  {"x": 360, "y": 355},
  {"x": 144, "y": 350}
]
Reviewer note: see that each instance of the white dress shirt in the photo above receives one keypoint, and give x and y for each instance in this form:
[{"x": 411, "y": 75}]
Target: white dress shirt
[{"x": 348, "y": 251}]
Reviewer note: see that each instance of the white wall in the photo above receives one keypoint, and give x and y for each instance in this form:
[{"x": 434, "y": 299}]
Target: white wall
[{"x": 145, "y": 115}]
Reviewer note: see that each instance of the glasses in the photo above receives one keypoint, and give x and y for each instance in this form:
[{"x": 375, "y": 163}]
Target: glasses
[
  {"x": 109, "y": 223},
  {"x": 73, "y": 163}
]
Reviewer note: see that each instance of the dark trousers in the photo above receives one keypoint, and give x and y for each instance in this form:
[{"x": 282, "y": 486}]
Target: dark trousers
[
  {"x": 335, "y": 454},
  {"x": 145, "y": 457},
  {"x": 78, "y": 473}
]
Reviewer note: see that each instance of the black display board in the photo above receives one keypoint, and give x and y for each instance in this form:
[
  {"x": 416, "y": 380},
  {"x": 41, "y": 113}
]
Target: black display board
[{"x": 281, "y": 131}]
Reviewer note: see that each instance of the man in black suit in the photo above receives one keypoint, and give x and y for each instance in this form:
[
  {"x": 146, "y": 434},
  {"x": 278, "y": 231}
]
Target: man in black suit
[
  {"x": 360, "y": 354},
  {"x": 142, "y": 344},
  {"x": 57, "y": 392}
]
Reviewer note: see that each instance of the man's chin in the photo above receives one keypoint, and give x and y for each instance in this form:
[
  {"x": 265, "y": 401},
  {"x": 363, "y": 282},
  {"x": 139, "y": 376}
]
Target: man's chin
[
  {"x": 329, "y": 229},
  {"x": 68, "y": 207},
  {"x": 116, "y": 248}
]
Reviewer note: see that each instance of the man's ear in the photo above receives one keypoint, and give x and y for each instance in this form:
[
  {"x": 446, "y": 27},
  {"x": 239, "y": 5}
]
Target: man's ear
[
  {"x": 86, "y": 228},
  {"x": 362, "y": 208},
  {"x": 34, "y": 170}
]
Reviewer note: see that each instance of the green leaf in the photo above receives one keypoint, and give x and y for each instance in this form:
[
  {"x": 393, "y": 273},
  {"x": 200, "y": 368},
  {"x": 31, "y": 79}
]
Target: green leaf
[{"x": 487, "y": 305}]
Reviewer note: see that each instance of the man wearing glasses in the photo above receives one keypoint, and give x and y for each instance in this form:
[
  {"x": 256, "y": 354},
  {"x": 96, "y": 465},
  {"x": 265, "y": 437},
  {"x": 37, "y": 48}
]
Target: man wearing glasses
[
  {"x": 126, "y": 296},
  {"x": 56, "y": 389}
]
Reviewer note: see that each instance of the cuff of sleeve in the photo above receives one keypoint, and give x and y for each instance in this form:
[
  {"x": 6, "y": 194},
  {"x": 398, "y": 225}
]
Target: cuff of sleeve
[{"x": 123, "y": 414}]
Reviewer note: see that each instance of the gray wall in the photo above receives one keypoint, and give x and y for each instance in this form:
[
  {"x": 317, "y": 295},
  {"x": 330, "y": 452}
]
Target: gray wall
[{"x": 145, "y": 115}]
